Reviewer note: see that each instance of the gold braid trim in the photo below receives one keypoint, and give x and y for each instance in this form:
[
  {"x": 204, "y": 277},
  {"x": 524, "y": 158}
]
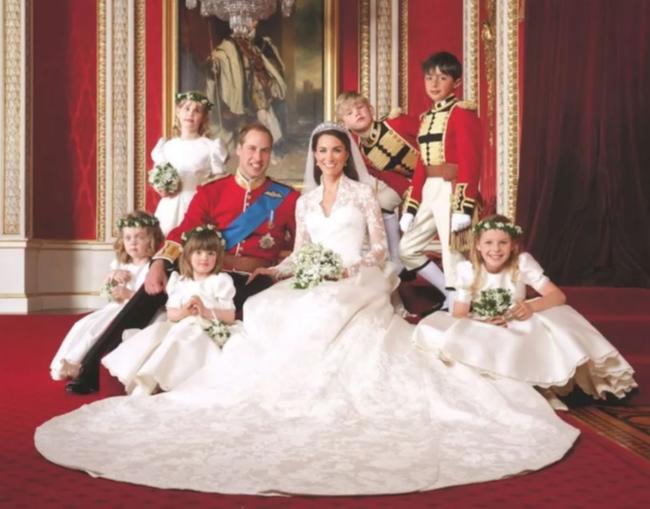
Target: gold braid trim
[
  {"x": 460, "y": 203},
  {"x": 170, "y": 251},
  {"x": 462, "y": 240}
]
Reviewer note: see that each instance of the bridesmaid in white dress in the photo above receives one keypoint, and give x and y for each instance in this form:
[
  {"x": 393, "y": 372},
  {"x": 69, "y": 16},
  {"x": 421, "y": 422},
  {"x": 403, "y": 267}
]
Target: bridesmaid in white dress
[
  {"x": 540, "y": 341},
  {"x": 138, "y": 239},
  {"x": 195, "y": 157},
  {"x": 323, "y": 391},
  {"x": 165, "y": 354}
]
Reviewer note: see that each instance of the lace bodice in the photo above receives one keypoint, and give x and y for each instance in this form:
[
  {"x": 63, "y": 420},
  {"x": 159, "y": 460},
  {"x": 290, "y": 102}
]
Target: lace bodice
[
  {"x": 354, "y": 219},
  {"x": 529, "y": 273},
  {"x": 195, "y": 160}
]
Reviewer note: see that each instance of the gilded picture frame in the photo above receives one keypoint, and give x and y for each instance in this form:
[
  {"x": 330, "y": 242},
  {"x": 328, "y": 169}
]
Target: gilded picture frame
[{"x": 308, "y": 100}]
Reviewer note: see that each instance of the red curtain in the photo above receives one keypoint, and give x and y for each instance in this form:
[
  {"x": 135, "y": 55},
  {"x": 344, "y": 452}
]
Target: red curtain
[{"x": 584, "y": 188}]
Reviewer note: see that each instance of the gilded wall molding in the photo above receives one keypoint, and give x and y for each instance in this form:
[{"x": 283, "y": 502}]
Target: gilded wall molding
[
  {"x": 330, "y": 58},
  {"x": 403, "y": 54},
  {"x": 507, "y": 107},
  {"x": 101, "y": 120},
  {"x": 384, "y": 45},
  {"x": 140, "y": 105},
  {"x": 470, "y": 50},
  {"x": 16, "y": 87},
  {"x": 489, "y": 44},
  {"x": 364, "y": 47},
  {"x": 120, "y": 125}
]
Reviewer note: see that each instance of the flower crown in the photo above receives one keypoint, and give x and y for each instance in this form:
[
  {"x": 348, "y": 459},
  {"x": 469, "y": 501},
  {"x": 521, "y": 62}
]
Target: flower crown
[
  {"x": 195, "y": 97},
  {"x": 513, "y": 230},
  {"x": 137, "y": 221},
  {"x": 200, "y": 229}
]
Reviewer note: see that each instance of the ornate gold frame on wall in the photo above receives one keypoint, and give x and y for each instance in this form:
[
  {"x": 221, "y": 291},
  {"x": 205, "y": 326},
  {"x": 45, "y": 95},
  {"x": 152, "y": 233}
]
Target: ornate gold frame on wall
[{"x": 170, "y": 60}]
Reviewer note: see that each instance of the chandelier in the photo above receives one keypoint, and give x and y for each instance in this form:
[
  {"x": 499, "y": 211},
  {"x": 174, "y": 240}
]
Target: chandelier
[{"x": 242, "y": 15}]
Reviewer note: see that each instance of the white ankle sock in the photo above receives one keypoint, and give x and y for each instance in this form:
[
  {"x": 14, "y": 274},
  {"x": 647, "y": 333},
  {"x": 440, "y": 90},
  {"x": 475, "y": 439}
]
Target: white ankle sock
[{"x": 432, "y": 273}]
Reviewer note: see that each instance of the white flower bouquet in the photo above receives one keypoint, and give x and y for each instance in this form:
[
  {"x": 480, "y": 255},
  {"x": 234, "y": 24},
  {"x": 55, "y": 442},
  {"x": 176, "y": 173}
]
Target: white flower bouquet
[
  {"x": 314, "y": 264},
  {"x": 218, "y": 331},
  {"x": 491, "y": 303},
  {"x": 164, "y": 178},
  {"x": 106, "y": 290}
]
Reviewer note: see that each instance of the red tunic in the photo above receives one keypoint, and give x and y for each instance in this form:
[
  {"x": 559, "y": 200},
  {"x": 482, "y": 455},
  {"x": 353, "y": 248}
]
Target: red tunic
[
  {"x": 462, "y": 146},
  {"x": 390, "y": 151},
  {"x": 221, "y": 201}
]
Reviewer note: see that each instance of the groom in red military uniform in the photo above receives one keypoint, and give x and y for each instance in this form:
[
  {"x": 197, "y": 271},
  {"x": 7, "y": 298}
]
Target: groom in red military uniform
[{"x": 256, "y": 216}]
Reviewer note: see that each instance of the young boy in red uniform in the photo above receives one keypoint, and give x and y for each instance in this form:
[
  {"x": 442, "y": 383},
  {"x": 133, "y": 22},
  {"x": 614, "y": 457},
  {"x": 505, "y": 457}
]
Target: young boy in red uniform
[
  {"x": 442, "y": 199},
  {"x": 389, "y": 147}
]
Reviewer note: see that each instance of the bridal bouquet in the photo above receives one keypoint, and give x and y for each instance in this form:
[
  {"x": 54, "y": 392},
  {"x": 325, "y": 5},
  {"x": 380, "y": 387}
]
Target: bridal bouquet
[
  {"x": 491, "y": 303},
  {"x": 218, "y": 332},
  {"x": 164, "y": 177},
  {"x": 315, "y": 263},
  {"x": 106, "y": 290}
]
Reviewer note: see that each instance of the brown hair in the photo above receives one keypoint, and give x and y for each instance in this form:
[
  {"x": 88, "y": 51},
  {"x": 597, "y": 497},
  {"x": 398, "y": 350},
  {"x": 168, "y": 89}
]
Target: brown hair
[
  {"x": 349, "y": 170},
  {"x": 475, "y": 257},
  {"x": 346, "y": 98},
  {"x": 205, "y": 129},
  {"x": 139, "y": 219},
  {"x": 206, "y": 240},
  {"x": 253, "y": 126}
]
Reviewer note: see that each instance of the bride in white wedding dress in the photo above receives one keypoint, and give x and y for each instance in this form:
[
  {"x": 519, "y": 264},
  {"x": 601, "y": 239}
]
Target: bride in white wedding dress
[{"x": 323, "y": 391}]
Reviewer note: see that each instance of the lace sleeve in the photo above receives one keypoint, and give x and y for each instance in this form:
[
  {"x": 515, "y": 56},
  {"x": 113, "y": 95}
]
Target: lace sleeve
[
  {"x": 218, "y": 156},
  {"x": 378, "y": 248},
  {"x": 286, "y": 266}
]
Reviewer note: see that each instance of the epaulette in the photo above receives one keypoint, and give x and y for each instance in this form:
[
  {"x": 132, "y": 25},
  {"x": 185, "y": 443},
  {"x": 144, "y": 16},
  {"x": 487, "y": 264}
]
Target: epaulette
[
  {"x": 467, "y": 105},
  {"x": 215, "y": 178}
]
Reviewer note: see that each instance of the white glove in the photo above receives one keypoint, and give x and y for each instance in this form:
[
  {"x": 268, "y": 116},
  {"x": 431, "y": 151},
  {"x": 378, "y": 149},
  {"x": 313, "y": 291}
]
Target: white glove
[
  {"x": 460, "y": 221},
  {"x": 405, "y": 221}
]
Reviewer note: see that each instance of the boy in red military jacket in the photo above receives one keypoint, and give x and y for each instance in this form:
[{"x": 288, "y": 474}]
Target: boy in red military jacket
[
  {"x": 443, "y": 200},
  {"x": 389, "y": 148}
]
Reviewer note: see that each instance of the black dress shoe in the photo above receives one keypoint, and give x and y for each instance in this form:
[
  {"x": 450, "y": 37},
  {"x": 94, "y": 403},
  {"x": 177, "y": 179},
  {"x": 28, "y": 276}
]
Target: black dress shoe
[
  {"x": 86, "y": 383},
  {"x": 407, "y": 275},
  {"x": 81, "y": 387}
]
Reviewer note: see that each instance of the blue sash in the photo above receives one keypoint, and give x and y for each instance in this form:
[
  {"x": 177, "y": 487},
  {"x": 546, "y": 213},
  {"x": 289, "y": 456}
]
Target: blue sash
[{"x": 251, "y": 218}]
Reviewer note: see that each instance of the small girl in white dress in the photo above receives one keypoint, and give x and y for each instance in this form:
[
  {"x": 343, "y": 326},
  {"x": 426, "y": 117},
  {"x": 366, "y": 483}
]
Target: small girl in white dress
[
  {"x": 138, "y": 240},
  {"x": 540, "y": 341},
  {"x": 195, "y": 157},
  {"x": 200, "y": 305}
]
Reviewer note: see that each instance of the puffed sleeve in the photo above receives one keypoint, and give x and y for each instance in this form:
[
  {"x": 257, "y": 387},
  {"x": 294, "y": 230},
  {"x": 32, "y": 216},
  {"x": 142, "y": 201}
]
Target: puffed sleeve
[
  {"x": 222, "y": 290},
  {"x": 158, "y": 153},
  {"x": 531, "y": 272},
  {"x": 218, "y": 156},
  {"x": 115, "y": 264},
  {"x": 464, "y": 280},
  {"x": 173, "y": 290}
]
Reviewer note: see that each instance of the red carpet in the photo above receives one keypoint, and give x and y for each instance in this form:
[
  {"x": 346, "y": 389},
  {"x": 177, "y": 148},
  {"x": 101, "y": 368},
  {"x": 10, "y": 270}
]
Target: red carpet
[{"x": 596, "y": 473}]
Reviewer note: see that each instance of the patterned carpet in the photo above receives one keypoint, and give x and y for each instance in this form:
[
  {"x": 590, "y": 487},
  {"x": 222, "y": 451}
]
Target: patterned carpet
[
  {"x": 608, "y": 467},
  {"x": 628, "y": 426}
]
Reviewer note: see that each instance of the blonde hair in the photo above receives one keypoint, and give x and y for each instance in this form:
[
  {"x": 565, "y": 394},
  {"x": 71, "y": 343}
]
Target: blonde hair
[
  {"x": 205, "y": 240},
  {"x": 345, "y": 99},
  {"x": 138, "y": 219},
  {"x": 512, "y": 264},
  {"x": 205, "y": 128}
]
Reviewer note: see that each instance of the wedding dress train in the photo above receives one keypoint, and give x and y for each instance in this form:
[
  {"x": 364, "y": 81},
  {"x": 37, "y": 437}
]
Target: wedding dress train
[{"x": 323, "y": 393}]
